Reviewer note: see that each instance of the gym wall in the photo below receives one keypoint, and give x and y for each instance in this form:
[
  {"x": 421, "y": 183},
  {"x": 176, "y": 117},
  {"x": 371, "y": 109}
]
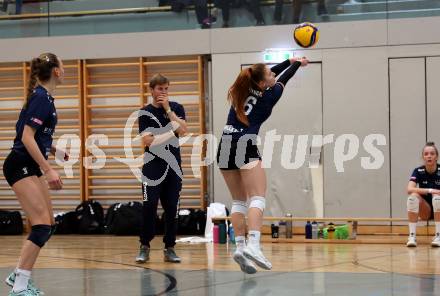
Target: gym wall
[{"x": 377, "y": 77}]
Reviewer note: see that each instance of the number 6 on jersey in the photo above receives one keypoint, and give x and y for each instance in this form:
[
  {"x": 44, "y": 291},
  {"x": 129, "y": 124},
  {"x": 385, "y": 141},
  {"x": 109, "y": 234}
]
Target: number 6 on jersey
[{"x": 249, "y": 104}]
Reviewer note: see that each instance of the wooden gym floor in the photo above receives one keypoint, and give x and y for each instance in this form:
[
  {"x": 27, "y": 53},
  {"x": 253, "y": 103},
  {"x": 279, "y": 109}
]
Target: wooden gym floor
[{"x": 104, "y": 265}]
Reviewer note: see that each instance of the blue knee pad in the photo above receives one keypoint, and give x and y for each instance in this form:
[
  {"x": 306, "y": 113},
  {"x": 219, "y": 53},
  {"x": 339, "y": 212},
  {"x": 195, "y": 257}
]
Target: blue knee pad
[{"x": 40, "y": 234}]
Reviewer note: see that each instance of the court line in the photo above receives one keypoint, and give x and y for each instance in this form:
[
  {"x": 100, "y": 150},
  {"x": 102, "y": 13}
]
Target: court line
[
  {"x": 171, "y": 287},
  {"x": 196, "y": 249},
  {"x": 419, "y": 276},
  {"x": 273, "y": 274},
  {"x": 172, "y": 279}
]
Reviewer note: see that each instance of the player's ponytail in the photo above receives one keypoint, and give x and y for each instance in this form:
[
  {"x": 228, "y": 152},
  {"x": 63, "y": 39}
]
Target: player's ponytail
[
  {"x": 248, "y": 78},
  {"x": 41, "y": 70}
]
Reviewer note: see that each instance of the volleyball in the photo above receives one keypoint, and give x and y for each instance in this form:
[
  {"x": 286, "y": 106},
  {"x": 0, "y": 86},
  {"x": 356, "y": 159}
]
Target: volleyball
[{"x": 306, "y": 35}]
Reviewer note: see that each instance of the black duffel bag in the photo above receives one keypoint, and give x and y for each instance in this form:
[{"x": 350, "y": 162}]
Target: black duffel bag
[
  {"x": 200, "y": 217},
  {"x": 124, "y": 219},
  {"x": 10, "y": 223},
  {"x": 67, "y": 223},
  {"x": 90, "y": 217},
  {"x": 191, "y": 222},
  {"x": 110, "y": 217}
]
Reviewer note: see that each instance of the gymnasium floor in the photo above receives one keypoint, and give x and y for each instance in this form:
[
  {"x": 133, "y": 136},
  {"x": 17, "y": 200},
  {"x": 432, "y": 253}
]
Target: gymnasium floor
[{"x": 102, "y": 265}]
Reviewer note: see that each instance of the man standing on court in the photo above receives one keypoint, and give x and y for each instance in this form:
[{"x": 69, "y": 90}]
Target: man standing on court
[{"x": 160, "y": 125}]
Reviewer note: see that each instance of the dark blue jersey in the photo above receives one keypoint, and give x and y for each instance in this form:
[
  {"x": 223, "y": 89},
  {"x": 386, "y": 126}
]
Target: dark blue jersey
[
  {"x": 259, "y": 105},
  {"x": 155, "y": 120},
  {"x": 40, "y": 114},
  {"x": 425, "y": 179}
]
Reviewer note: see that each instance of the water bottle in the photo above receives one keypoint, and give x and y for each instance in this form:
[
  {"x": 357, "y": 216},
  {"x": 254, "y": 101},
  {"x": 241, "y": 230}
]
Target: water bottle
[
  {"x": 289, "y": 226},
  {"x": 231, "y": 234},
  {"x": 354, "y": 229},
  {"x": 282, "y": 229},
  {"x": 222, "y": 233},
  {"x": 320, "y": 230},
  {"x": 314, "y": 230},
  {"x": 275, "y": 230},
  {"x": 308, "y": 230},
  {"x": 331, "y": 231},
  {"x": 215, "y": 234}
]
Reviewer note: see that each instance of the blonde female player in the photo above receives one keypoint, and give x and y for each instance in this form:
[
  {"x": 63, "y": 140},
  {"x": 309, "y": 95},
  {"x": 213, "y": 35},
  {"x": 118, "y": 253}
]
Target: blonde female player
[
  {"x": 252, "y": 96},
  {"x": 424, "y": 195},
  {"x": 28, "y": 159}
]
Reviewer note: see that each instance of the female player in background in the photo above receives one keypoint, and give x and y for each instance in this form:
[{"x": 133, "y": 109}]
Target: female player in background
[
  {"x": 424, "y": 195},
  {"x": 252, "y": 96}
]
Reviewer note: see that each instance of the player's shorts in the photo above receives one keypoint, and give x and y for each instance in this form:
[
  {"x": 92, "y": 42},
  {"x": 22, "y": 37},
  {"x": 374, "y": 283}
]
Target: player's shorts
[
  {"x": 234, "y": 154},
  {"x": 18, "y": 166}
]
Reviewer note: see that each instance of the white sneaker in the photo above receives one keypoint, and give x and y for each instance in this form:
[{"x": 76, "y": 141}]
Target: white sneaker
[
  {"x": 436, "y": 241},
  {"x": 412, "y": 242},
  {"x": 245, "y": 265},
  {"x": 254, "y": 253}
]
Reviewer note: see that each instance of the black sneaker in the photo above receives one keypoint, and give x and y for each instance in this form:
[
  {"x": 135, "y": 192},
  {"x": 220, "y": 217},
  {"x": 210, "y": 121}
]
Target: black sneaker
[
  {"x": 144, "y": 254},
  {"x": 170, "y": 256}
]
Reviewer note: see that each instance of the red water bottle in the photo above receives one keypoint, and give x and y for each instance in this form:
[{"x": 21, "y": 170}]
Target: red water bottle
[{"x": 216, "y": 234}]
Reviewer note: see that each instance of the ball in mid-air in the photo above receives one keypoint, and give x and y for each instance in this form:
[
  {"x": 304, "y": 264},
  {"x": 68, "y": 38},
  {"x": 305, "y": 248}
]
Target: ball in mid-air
[{"x": 306, "y": 35}]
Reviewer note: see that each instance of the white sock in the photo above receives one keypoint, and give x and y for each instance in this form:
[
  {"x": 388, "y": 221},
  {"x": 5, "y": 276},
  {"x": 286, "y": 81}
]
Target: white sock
[
  {"x": 21, "y": 280},
  {"x": 254, "y": 238},
  {"x": 240, "y": 242},
  {"x": 437, "y": 227},
  {"x": 412, "y": 229}
]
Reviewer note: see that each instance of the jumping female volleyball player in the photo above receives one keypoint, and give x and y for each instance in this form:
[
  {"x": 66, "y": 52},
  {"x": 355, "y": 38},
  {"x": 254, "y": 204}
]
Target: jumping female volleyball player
[
  {"x": 28, "y": 158},
  {"x": 424, "y": 195},
  {"x": 253, "y": 96}
]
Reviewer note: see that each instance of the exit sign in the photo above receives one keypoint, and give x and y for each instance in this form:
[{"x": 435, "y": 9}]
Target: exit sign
[{"x": 276, "y": 55}]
